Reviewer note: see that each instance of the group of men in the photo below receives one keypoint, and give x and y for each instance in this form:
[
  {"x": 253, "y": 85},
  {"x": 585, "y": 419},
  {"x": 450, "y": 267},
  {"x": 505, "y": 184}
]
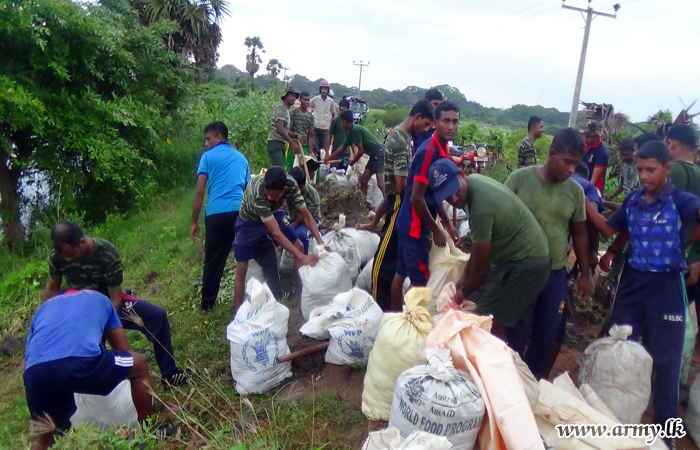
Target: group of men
[{"x": 521, "y": 233}]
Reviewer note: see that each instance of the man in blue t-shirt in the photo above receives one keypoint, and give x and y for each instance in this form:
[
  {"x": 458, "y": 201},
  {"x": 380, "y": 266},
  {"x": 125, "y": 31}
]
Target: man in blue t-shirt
[
  {"x": 597, "y": 155},
  {"x": 650, "y": 296},
  {"x": 65, "y": 355},
  {"x": 226, "y": 170},
  {"x": 435, "y": 97}
]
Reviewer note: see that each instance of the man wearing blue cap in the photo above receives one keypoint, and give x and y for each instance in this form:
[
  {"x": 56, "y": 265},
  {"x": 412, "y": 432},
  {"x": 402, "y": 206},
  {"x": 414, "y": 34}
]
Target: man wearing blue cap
[{"x": 505, "y": 235}]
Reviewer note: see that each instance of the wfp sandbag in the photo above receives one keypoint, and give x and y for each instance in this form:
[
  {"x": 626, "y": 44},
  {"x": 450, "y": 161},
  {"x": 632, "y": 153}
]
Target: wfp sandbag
[
  {"x": 257, "y": 337},
  {"x": 619, "y": 371},
  {"x": 510, "y": 423},
  {"x": 390, "y": 439},
  {"x": 113, "y": 410},
  {"x": 354, "y": 328},
  {"x": 322, "y": 282},
  {"x": 447, "y": 265},
  {"x": 339, "y": 241},
  {"x": 692, "y": 418},
  {"x": 365, "y": 241},
  {"x": 364, "y": 280},
  {"x": 374, "y": 195},
  {"x": 438, "y": 399},
  {"x": 400, "y": 344}
]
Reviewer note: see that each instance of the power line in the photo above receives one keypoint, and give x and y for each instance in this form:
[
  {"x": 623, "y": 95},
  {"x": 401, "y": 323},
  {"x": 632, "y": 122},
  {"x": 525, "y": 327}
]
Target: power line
[{"x": 359, "y": 84}]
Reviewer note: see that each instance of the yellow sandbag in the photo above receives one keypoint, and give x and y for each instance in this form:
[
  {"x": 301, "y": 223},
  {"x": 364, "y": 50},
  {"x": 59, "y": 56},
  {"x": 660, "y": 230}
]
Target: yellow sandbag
[
  {"x": 400, "y": 345},
  {"x": 447, "y": 265},
  {"x": 510, "y": 423}
]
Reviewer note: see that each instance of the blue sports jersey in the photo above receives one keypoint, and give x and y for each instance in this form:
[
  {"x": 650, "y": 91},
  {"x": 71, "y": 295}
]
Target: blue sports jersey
[
  {"x": 227, "y": 174},
  {"x": 70, "y": 325}
]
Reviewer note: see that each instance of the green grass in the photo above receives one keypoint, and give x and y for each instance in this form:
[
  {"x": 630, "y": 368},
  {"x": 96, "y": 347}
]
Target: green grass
[{"x": 162, "y": 265}]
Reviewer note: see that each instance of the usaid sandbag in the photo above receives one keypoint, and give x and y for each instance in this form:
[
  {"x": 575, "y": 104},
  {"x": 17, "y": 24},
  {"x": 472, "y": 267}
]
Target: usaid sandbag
[
  {"x": 342, "y": 243},
  {"x": 366, "y": 243},
  {"x": 447, "y": 265},
  {"x": 390, "y": 439},
  {"x": 354, "y": 328},
  {"x": 438, "y": 399},
  {"x": 322, "y": 282},
  {"x": 400, "y": 344},
  {"x": 258, "y": 336},
  {"x": 114, "y": 410},
  {"x": 619, "y": 371}
]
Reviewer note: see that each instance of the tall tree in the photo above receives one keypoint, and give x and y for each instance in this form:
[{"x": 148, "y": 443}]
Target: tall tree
[
  {"x": 274, "y": 67},
  {"x": 253, "y": 59}
]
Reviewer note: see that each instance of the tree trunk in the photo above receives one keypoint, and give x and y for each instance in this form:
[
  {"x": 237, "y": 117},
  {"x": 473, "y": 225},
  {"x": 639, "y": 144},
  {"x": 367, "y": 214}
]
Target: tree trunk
[{"x": 10, "y": 202}]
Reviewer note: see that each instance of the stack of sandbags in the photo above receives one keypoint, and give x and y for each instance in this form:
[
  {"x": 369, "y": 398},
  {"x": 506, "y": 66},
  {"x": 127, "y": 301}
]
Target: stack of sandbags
[
  {"x": 258, "y": 336},
  {"x": 400, "y": 344}
]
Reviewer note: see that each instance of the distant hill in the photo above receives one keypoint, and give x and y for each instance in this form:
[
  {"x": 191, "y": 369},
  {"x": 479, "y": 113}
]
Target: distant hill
[{"x": 514, "y": 117}]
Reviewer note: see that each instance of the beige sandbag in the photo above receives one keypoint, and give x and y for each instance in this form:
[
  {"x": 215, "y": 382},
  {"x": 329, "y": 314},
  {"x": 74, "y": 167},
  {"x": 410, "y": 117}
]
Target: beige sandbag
[
  {"x": 564, "y": 383},
  {"x": 447, "y": 265},
  {"x": 595, "y": 402},
  {"x": 510, "y": 423},
  {"x": 400, "y": 344},
  {"x": 445, "y": 303},
  {"x": 530, "y": 384}
]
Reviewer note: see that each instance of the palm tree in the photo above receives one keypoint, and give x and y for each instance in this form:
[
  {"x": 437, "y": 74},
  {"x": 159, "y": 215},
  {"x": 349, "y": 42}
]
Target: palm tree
[
  {"x": 273, "y": 67},
  {"x": 198, "y": 35},
  {"x": 253, "y": 60}
]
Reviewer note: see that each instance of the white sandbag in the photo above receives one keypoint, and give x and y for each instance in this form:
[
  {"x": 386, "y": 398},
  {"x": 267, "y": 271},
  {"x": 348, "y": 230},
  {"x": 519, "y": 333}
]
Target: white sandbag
[
  {"x": 322, "y": 282},
  {"x": 337, "y": 176},
  {"x": 692, "y": 418},
  {"x": 254, "y": 271},
  {"x": 110, "y": 411},
  {"x": 364, "y": 280},
  {"x": 390, "y": 439},
  {"x": 464, "y": 228},
  {"x": 619, "y": 371},
  {"x": 374, "y": 195},
  {"x": 447, "y": 265},
  {"x": 400, "y": 344},
  {"x": 354, "y": 328},
  {"x": 596, "y": 402},
  {"x": 257, "y": 337},
  {"x": 286, "y": 262},
  {"x": 339, "y": 241},
  {"x": 438, "y": 399},
  {"x": 565, "y": 383},
  {"x": 366, "y": 242}
]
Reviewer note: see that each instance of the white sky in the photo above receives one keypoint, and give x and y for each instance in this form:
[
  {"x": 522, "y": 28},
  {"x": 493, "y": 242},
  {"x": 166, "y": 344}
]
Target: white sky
[{"x": 498, "y": 53}]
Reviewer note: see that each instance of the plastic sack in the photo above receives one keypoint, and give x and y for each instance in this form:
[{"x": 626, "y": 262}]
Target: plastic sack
[
  {"x": 337, "y": 176},
  {"x": 438, "y": 399},
  {"x": 374, "y": 195},
  {"x": 400, "y": 344},
  {"x": 254, "y": 271},
  {"x": 339, "y": 241},
  {"x": 447, "y": 265},
  {"x": 510, "y": 423},
  {"x": 322, "y": 282},
  {"x": 619, "y": 371},
  {"x": 286, "y": 263},
  {"x": 257, "y": 337},
  {"x": 113, "y": 410},
  {"x": 354, "y": 328},
  {"x": 365, "y": 241},
  {"x": 692, "y": 418},
  {"x": 445, "y": 303},
  {"x": 364, "y": 280},
  {"x": 464, "y": 228},
  {"x": 390, "y": 439}
]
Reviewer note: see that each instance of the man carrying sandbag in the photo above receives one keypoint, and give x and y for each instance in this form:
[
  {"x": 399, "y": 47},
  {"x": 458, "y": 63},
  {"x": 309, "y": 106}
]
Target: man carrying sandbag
[
  {"x": 261, "y": 221},
  {"x": 505, "y": 234},
  {"x": 65, "y": 355}
]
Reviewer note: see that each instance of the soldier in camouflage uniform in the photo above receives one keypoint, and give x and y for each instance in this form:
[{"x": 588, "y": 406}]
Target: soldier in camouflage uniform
[
  {"x": 279, "y": 134},
  {"x": 397, "y": 157},
  {"x": 261, "y": 221},
  {"x": 527, "y": 153},
  {"x": 302, "y": 123},
  {"x": 92, "y": 263}
]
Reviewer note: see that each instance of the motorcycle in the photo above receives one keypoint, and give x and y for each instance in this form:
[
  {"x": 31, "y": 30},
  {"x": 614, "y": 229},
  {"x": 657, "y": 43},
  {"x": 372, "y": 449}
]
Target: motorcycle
[{"x": 472, "y": 159}]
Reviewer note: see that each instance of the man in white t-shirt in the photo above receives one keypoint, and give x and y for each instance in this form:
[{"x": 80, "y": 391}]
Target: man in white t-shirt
[{"x": 325, "y": 109}]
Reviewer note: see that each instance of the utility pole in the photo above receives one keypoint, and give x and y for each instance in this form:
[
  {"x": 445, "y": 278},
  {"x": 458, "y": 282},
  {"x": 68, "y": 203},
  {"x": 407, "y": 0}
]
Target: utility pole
[
  {"x": 359, "y": 85},
  {"x": 284, "y": 76},
  {"x": 590, "y": 15}
]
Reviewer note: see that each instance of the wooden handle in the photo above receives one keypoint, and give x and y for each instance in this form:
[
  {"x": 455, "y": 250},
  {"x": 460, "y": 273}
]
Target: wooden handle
[
  {"x": 303, "y": 352},
  {"x": 303, "y": 160}
]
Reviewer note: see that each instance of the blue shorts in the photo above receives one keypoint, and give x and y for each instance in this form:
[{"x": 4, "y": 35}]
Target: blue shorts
[
  {"x": 50, "y": 386},
  {"x": 413, "y": 261},
  {"x": 251, "y": 235}
]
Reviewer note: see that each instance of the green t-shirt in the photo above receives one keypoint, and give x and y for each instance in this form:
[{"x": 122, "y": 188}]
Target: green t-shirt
[
  {"x": 555, "y": 206},
  {"x": 281, "y": 112},
  {"x": 496, "y": 214},
  {"x": 301, "y": 122},
  {"x": 397, "y": 158},
  {"x": 338, "y": 133},
  {"x": 256, "y": 207},
  {"x": 101, "y": 270},
  {"x": 361, "y": 135},
  {"x": 313, "y": 204},
  {"x": 686, "y": 177}
]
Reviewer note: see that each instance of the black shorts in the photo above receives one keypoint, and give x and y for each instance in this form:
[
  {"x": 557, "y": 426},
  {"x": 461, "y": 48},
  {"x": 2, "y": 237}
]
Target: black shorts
[
  {"x": 376, "y": 163},
  {"x": 50, "y": 386}
]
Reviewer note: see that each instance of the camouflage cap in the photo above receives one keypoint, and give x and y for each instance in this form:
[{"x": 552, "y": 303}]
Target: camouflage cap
[
  {"x": 592, "y": 129},
  {"x": 290, "y": 90}
]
